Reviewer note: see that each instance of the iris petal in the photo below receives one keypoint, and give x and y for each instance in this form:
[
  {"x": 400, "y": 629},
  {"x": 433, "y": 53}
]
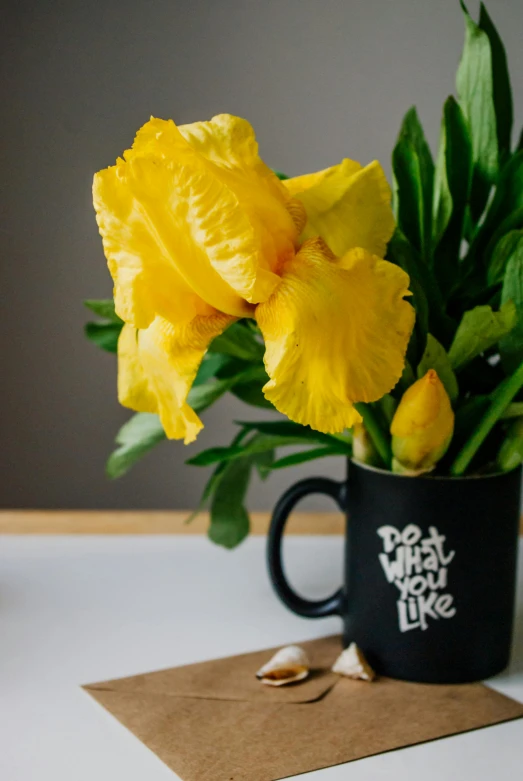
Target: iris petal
[
  {"x": 336, "y": 332},
  {"x": 170, "y": 228},
  {"x": 334, "y": 177},
  {"x": 347, "y": 205},
  {"x": 146, "y": 281},
  {"x": 157, "y": 374},
  {"x": 228, "y": 145},
  {"x": 134, "y": 388}
]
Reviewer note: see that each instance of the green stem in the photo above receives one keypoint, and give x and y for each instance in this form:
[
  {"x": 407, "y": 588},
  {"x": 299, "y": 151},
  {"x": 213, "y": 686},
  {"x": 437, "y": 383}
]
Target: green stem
[
  {"x": 501, "y": 398},
  {"x": 379, "y": 438}
]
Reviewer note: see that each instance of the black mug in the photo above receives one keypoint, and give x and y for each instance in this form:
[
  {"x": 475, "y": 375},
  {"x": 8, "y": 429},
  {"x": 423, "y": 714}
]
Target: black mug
[{"x": 430, "y": 570}]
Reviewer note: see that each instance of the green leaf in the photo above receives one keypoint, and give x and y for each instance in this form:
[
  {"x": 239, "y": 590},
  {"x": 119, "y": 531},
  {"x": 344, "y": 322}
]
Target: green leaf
[
  {"x": 514, "y": 221},
  {"x": 405, "y": 381},
  {"x": 480, "y": 329},
  {"x": 504, "y": 213},
  {"x": 136, "y": 438},
  {"x": 511, "y": 346},
  {"x": 511, "y": 452},
  {"x": 306, "y": 455},
  {"x": 202, "y": 396},
  {"x": 475, "y": 86},
  {"x": 468, "y": 415},
  {"x": 258, "y": 444},
  {"x": 426, "y": 291},
  {"x": 263, "y": 463},
  {"x": 227, "y": 487},
  {"x": 442, "y": 202},
  {"x": 421, "y": 324},
  {"x": 208, "y": 491},
  {"x": 229, "y": 518},
  {"x": 509, "y": 245},
  {"x": 104, "y": 308},
  {"x": 251, "y": 393},
  {"x": 104, "y": 335},
  {"x": 379, "y": 435},
  {"x": 501, "y": 81},
  {"x": 435, "y": 357},
  {"x": 401, "y": 252},
  {"x": 388, "y": 406},
  {"x": 239, "y": 341},
  {"x": 414, "y": 179},
  {"x": 234, "y": 366},
  {"x": 286, "y": 428},
  {"x": 509, "y": 192},
  {"x": 280, "y": 175},
  {"x": 451, "y": 191},
  {"x": 210, "y": 366},
  {"x": 514, "y": 410},
  {"x": 499, "y": 401},
  {"x": 214, "y": 479}
]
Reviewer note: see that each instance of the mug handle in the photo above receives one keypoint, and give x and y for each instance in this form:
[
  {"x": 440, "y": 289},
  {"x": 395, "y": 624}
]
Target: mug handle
[{"x": 330, "y": 606}]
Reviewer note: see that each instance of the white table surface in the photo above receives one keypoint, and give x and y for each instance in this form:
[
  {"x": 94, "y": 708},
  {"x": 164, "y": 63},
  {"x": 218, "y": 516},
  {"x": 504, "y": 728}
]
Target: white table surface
[{"x": 77, "y": 610}]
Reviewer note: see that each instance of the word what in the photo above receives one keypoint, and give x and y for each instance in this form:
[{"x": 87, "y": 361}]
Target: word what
[{"x": 418, "y": 567}]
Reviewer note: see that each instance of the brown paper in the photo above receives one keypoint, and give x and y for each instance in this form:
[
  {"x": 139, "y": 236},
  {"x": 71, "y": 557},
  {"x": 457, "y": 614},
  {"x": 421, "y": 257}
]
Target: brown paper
[{"x": 213, "y": 721}]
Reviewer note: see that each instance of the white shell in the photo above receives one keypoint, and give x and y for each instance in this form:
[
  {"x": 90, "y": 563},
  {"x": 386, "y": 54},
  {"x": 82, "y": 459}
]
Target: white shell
[
  {"x": 288, "y": 665},
  {"x": 352, "y": 664}
]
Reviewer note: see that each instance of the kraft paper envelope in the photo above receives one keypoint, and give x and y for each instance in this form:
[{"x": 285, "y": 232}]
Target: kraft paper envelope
[{"x": 213, "y": 721}]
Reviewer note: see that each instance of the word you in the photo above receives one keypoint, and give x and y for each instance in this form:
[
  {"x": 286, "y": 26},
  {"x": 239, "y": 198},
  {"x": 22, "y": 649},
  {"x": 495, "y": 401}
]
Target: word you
[{"x": 418, "y": 567}]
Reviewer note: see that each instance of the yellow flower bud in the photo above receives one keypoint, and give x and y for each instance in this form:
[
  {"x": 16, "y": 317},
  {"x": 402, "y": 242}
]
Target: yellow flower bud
[{"x": 422, "y": 426}]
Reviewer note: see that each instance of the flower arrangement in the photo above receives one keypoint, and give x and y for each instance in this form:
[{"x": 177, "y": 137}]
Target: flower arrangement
[{"x": 293, "y": 294}]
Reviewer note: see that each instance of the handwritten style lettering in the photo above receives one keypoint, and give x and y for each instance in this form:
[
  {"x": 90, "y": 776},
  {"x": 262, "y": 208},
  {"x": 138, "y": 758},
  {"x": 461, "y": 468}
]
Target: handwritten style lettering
[{"x": 418, "y": 567}]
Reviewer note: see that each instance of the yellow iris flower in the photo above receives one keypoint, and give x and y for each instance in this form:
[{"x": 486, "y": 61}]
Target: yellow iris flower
[{"x": 198, "y": 232}]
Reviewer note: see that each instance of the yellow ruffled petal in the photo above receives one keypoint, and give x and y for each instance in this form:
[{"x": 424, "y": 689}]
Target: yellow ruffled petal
[
  {"x": 173, "y": 234},
  {"x": 146, "y": 281},
  {"x": 170, "y": 356},
  {"x": 229, "y": 143},
  {"x": 158, "y": 138},
  {"x": 335, "y": 176},
  {"x": 347, "y": 205},
  {"x": 298, "y": 214},
  {"x": 229, "y": 146},
  {"x": 336, "y": 332},
  {"x": 134, "y": 389},
  {"x": 157, "y": 366}
]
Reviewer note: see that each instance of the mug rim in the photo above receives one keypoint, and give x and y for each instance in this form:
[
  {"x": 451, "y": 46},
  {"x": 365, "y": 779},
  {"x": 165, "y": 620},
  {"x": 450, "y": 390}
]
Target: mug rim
[{"x": 429, "y": 477}]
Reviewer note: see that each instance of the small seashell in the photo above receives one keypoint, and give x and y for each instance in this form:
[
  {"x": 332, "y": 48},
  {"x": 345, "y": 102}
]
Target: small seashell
[
  {"x": 352, "y": 664},
  {"x": 288, "y": 665}
]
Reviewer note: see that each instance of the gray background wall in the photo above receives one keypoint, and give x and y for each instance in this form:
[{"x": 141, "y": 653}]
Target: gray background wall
[{"x": 319, "y": 80}]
